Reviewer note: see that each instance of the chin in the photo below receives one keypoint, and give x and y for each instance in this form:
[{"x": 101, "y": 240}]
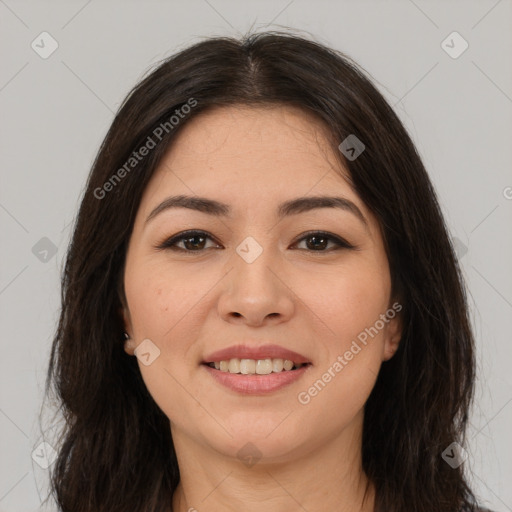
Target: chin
[
  {"x": 269, "y": 437},
  {"x": 250, "y": 450}
]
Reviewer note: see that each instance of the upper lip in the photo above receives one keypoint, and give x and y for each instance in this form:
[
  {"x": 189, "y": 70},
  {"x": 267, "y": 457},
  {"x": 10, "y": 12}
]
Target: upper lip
[{"x": 242, "y": 351}]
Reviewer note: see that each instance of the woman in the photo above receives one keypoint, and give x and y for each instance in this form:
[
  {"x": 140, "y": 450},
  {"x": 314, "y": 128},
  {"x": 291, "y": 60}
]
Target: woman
[{"x": 261, "y": 305}]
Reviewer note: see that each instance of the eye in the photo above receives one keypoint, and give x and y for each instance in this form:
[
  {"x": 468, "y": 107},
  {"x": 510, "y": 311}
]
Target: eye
[
  {"x": 317, "y": 241},
  {"x": 194, "y": 241}
]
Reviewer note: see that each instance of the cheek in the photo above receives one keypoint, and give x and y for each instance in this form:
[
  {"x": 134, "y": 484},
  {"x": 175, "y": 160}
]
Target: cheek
[
  {"x": 157, "y": 299},
  {"x": 341, "y": 399},
  {"x": 350, "y": 301},
  {"x": 351, "y": 306},
  {"x": 162, "y": 311},
  {"x": 168, "y": 310},
  {"x": 150, "y": 308}
]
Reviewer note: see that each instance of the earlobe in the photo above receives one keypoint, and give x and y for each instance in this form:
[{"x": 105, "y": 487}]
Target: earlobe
[
  {"x": 391, "y": 348},
  {"x": 129, "y": 345},
  {"x": 394, "y": 336}
]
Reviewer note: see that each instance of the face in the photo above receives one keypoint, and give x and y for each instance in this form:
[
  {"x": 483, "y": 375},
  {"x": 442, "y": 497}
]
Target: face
[{"x": 311, "y": 280}]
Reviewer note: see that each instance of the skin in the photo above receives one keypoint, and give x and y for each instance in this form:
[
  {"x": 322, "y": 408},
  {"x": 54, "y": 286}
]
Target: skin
[{"x": 313, "y": 302}]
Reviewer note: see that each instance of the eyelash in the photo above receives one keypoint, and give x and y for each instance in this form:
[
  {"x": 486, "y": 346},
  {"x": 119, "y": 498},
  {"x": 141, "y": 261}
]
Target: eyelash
[{"x": 170, "y": 242}]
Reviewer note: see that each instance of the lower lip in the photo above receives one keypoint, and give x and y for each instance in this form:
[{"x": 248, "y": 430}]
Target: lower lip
[{"x": 256, "y": 384}]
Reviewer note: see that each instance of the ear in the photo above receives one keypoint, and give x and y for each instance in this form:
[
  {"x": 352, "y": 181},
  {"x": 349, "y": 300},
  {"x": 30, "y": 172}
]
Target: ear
[
  {"x": 394, "y": 330},
  {"x": 129, "y": 343}
]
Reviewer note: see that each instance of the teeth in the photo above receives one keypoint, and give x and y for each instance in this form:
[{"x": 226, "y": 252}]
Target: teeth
[
  {"x": 247, "y": 366},
  {"x": 255, "y": 366},
  {"x": 264, "y": 366},
  {"x": 234, "y": 366},
  {"x": 277, "y": 365}
]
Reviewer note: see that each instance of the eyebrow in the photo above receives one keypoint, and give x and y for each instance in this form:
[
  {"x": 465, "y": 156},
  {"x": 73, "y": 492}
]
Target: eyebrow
[{"x": 291, "y": 207}]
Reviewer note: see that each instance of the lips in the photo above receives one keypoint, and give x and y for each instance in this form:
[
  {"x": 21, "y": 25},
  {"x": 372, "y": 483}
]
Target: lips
[
  {"x": 261, "y": 385},
  {"x": 251, "y": 352}
]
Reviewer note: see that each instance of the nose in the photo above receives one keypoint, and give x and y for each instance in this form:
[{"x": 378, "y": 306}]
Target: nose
[{"x": 255, "y": 293}]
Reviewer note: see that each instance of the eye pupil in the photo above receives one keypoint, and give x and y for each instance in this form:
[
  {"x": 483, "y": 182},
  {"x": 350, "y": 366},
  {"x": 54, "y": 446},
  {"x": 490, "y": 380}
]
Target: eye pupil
[
  {"x": 195, "y": 237},
  {"x": 318, "y": 238}
]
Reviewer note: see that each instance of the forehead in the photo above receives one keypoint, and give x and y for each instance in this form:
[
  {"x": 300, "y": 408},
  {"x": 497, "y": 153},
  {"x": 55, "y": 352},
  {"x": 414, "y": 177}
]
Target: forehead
[
  {"x": 261, "y": 146},
  {"x": 267, "y": 125}
]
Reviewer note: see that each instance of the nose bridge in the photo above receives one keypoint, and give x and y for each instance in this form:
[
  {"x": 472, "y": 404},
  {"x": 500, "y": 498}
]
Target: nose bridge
[
  {"x": 253, "y": 262},
  {"x": 255, "y": 290}
]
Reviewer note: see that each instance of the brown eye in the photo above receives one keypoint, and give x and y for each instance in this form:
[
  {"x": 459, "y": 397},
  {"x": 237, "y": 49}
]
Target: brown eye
[
  {"x": 193, "y": 241},
  {"x": 317, "y": 241}
]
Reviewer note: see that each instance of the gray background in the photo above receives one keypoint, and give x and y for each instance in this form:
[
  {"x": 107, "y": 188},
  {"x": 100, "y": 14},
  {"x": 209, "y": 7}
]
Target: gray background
[{"x": 56, "y": 111}]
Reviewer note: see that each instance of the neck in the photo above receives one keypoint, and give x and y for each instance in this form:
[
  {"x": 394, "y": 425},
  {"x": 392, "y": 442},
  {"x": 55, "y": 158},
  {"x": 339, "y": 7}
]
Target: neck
[{"x": 328, "y": 477}]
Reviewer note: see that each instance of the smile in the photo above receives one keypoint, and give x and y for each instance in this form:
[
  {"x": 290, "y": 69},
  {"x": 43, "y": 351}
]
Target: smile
[
  {"x": 255, "y": 366},
  {"x": 251, "y": 382}
]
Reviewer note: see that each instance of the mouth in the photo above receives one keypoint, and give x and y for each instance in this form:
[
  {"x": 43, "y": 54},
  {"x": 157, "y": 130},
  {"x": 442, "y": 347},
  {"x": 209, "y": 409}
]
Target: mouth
[
  {"x": 255, "y": 370},
  {"x": 252, "y": 383},
  {"x": 249, "y": 367}
]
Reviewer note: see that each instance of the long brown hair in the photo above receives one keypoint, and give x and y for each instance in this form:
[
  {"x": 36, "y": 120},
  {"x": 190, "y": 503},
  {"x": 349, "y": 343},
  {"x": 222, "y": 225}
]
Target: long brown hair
[{"x": 116, "y": 451}]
